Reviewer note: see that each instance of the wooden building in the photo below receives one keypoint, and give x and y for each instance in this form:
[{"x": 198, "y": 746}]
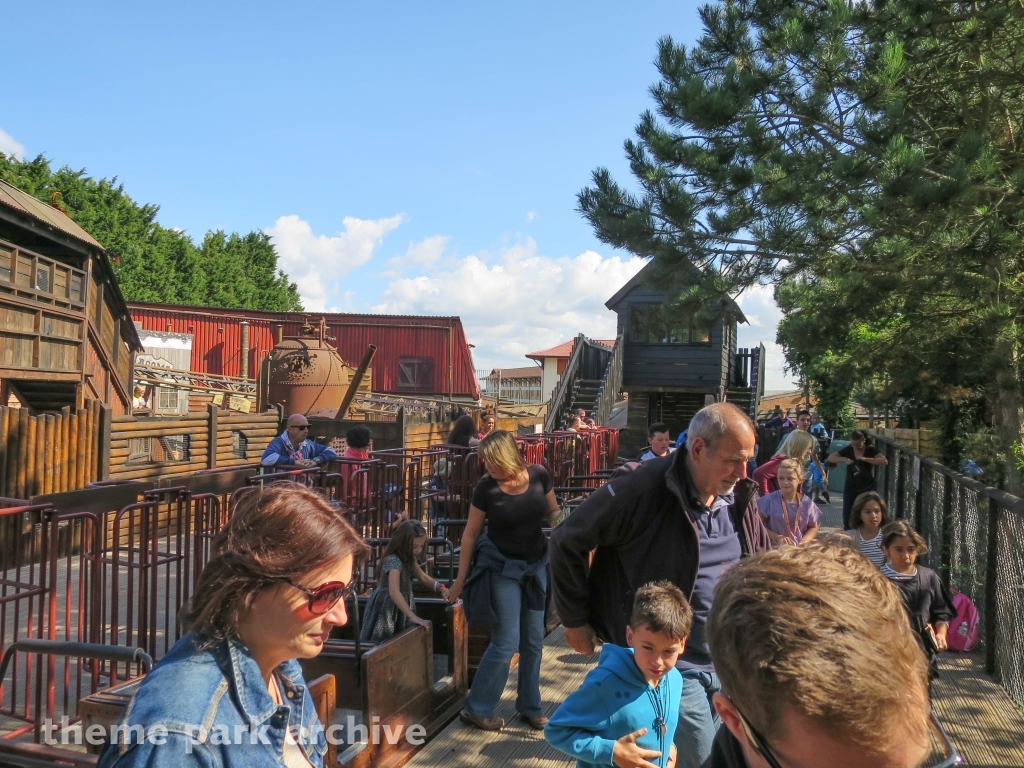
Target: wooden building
[
  {"x": 65, "y": 332},
  {"x": 673, "y": 363}
]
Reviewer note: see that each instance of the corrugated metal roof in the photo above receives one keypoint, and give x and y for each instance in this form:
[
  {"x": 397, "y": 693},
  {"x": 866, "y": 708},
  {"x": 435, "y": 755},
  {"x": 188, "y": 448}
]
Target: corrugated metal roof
[{"x": 14, "y": 198}]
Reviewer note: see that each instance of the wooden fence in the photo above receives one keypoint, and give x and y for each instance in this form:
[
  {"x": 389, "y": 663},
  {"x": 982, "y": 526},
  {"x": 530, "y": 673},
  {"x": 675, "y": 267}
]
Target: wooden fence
[
  {"x": 51, "y": 452},
  {"x": 434, "y": 433},
  {"x": 924, "y": 441},
  {"x": 151, "y": 447}
]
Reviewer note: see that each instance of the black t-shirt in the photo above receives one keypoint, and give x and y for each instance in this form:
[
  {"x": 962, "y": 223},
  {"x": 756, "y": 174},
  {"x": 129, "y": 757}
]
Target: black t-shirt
[
  {"x": 860, "y": 476},
  {"x": 515, "y": 523}
]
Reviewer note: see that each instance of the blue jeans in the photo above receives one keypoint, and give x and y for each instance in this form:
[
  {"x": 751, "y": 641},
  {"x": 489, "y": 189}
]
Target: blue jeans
[
  {"x": 698, "y": 720},
  {"x": 517, "y": 629}
]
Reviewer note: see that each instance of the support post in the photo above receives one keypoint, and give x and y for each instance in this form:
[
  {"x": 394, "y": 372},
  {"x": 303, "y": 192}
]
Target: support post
[
  {"x": 991, "y": 587},
  {"x": 211, "y": 456},
  {"x": 103, "y": 460},
  {"x": 946, "y": 524},
  {"x": 901, "y": 471}
]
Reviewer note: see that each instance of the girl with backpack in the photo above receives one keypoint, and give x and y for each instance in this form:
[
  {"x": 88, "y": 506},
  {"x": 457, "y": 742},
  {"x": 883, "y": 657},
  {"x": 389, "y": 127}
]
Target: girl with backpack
[
  {"x": 926, "y": 598},
  {"x": 391, "y": 607}
]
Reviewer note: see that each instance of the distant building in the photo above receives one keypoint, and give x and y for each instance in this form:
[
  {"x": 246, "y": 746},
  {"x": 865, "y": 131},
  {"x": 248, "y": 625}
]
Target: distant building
[
  {"x": 517, "y": 385},
  {"x": 553, "y": 361},
  {"x": 417, "y": 356}
]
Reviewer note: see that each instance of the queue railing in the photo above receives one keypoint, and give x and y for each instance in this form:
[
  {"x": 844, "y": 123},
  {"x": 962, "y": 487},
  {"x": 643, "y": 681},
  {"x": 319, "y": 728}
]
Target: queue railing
[{"x": 975, "y": 538}]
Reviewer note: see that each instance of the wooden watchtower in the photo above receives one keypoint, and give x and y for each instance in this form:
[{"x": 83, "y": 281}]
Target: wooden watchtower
[{"x": 65, "y": 332}]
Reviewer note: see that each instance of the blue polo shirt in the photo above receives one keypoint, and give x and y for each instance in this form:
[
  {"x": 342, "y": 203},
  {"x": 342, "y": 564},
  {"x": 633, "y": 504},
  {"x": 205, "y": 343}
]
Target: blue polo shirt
[{"x": 719, "y": 548}]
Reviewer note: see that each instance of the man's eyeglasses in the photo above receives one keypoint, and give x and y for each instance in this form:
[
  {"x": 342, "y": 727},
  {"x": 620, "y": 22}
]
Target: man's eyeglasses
[
  {"x": 950, "y": 757},
  {"x": 302, "y": 427},
  {"x": 326, "y": 596}
]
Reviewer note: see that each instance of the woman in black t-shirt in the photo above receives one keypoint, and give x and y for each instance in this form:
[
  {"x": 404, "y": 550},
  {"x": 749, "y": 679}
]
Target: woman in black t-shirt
[
  {"x": 860, "y": 458},
  {"x": 508, "y": 579}
]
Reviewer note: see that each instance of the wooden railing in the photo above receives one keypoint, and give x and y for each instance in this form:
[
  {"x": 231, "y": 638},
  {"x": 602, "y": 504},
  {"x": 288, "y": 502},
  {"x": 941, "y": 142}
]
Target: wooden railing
[{"x": 611, "y": 383}]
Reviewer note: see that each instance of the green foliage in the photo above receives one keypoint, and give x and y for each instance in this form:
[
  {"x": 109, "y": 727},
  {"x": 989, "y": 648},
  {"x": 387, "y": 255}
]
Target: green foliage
[
  {"x": 154, "y": 263},
  {"x": 866, "y": 159}
]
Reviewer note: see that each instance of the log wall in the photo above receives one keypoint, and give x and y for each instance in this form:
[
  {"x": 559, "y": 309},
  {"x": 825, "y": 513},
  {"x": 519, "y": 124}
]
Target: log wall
[
  {"x": 50, "y": 452},
  {"x": 210, "y": 442}
]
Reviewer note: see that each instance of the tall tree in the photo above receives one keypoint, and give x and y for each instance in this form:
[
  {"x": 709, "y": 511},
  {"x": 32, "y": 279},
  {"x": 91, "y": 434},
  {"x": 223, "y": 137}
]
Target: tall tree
[
  {"x": 152, "y": 262},
  {"x": 865, "y": 156}
]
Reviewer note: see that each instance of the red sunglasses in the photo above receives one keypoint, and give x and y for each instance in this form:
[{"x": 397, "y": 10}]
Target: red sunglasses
[{"x": 326, "y": 596}]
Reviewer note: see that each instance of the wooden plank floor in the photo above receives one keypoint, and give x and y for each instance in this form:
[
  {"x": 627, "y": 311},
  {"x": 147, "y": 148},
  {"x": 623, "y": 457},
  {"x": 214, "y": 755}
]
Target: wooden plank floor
[
  {"x": 561, "y": 673},
  {"x": 981, "y": 719}
]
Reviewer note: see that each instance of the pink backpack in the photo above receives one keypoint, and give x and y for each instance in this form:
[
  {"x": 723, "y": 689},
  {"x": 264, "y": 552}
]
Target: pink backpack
[{"x": 963, "y": 630}]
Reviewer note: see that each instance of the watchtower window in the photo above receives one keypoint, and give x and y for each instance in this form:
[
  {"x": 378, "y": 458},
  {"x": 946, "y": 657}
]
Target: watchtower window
[{"x": 658, "y": 324}]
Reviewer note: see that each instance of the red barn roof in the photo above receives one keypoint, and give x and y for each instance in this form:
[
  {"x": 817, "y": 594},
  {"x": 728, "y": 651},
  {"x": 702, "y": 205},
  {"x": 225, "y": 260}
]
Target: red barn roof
[{"x": 216, "y": 344}]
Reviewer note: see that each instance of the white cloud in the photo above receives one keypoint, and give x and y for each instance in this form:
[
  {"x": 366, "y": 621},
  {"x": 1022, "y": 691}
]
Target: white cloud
[
  {"x": 517, "y": 300},
  {"x": 10, "y": 146},
  {"x": 424, "y": 254},
  {"x": 763, "y": 316},
  {"x": 315, "y": 262},
  {"x": 531, "y": 215}
]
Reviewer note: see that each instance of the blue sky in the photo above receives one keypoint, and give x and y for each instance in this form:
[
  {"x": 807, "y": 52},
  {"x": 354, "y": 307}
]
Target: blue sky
[{"x": 419, "y": 158}]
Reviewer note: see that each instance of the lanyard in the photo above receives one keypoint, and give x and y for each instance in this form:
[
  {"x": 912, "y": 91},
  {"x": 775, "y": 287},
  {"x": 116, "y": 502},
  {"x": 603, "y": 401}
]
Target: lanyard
[{"x": 795, "y": 528}]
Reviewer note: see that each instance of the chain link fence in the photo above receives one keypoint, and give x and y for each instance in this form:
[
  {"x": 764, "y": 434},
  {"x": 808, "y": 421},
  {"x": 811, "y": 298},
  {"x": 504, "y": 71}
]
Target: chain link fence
[{"x": 975, "y": 537}]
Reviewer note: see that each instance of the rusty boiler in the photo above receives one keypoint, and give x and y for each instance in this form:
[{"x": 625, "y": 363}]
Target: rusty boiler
[{"x": 305, "y": 374}]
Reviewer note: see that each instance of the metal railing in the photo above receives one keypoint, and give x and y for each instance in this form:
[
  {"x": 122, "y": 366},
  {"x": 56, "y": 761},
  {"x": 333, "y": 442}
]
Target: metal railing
[{"x": 975, "y": 537}]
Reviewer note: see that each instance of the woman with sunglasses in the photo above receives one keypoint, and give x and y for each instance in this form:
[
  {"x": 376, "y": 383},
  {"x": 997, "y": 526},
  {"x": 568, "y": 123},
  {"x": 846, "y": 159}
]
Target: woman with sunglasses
[{"x": 231, "y": 692}]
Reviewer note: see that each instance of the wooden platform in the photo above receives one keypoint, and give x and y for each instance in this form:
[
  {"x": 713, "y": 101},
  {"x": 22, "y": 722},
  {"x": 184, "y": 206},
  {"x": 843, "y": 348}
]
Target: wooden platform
[{"x": 985, "y": 725}]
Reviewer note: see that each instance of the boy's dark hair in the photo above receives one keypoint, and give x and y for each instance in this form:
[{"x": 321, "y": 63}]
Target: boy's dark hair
[
  {"x": 656, "y": 427},
  {"x": 358, "y": 437},
  {"x": 661, "y": 606}
]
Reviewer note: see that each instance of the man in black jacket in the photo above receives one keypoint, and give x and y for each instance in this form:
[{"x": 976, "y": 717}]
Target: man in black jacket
[
  {"x": 818, "y": 665},
  {"x": 686, "y": 518}
]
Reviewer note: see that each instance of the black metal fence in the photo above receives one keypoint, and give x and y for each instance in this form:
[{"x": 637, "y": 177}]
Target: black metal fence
[{"x": 975, "y": 537}]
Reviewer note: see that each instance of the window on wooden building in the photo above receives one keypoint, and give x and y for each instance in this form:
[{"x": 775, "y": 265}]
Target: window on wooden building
[
  {"x": 239, "y": 444},
  {"x": 147, "y": 450},
  {"x": 416, "y": 373},
  {"x": 658, "y": 324}
]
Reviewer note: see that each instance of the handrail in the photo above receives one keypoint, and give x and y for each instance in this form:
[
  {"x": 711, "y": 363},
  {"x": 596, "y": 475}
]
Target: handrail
[{"x": 611, "y": 383}]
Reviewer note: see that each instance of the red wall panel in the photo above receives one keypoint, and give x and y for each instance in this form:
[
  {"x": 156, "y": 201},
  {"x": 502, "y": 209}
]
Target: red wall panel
[{"x": 217, "y": 341}]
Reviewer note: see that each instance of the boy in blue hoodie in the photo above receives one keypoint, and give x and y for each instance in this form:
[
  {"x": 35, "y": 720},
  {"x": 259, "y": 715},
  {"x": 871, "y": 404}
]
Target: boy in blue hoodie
[{"x": 626, "y": 711}]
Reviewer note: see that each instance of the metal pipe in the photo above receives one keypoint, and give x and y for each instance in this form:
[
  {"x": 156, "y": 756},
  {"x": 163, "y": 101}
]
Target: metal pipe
[
  {"x": 357, "y": 379},
  {"x": 278, "y": 333},
  {"x": 243, "y": 364}
]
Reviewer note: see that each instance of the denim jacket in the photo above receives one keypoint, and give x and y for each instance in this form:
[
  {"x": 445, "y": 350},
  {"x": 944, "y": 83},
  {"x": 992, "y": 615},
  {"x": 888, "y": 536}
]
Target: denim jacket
[{"x": 212, "y": 708}]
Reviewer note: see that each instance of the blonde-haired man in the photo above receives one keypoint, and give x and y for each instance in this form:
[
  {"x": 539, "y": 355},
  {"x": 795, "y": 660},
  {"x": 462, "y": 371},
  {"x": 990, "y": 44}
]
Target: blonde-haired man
[{"x": 818, "y": 665}]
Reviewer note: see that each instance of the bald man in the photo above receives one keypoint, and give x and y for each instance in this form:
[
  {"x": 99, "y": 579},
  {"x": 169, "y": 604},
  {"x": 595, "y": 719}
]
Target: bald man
[
  {"x": 292, "y": 448},
  {"x": 684, "y": 518}
]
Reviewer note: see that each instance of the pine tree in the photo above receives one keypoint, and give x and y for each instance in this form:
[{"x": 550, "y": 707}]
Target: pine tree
[{"x": 865, "y": 158}]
